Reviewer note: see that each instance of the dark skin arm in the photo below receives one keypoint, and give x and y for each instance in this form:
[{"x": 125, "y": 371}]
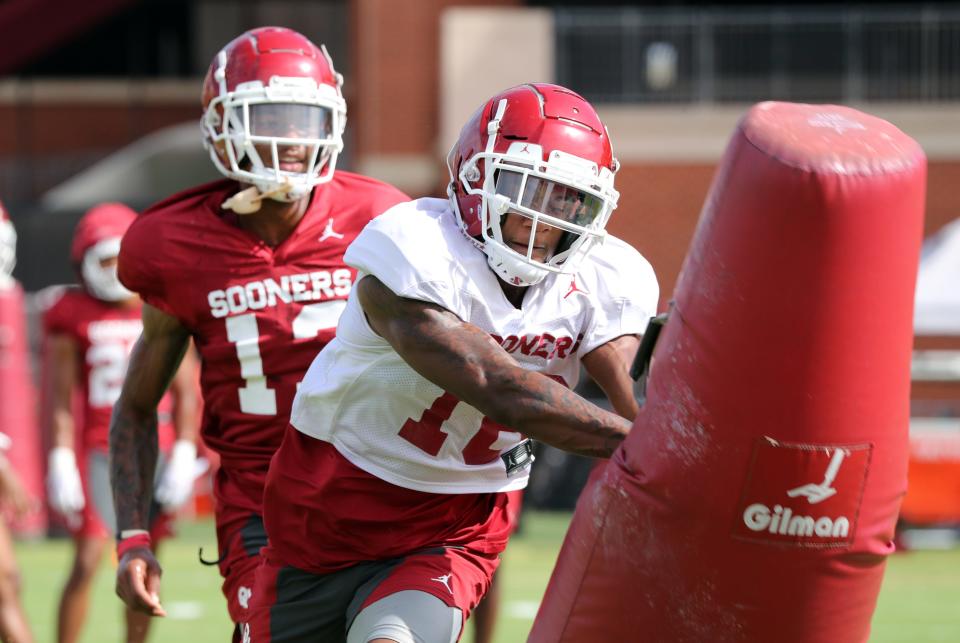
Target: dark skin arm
[
  {"x": 133, "y": 449},
  {"x": 183, "y": 390},
  {"x": 465, "y": 361},
  {"x": 64, "y": 370},
  {"x": 609, "y": 366}
]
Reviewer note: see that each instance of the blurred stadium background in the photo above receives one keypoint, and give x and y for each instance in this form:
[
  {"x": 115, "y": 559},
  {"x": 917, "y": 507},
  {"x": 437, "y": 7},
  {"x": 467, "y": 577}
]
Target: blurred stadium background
[{"x": 99, "y": 100}]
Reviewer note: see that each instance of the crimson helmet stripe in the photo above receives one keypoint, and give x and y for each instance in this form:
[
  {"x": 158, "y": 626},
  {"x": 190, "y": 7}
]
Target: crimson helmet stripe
[
  {"x": 550, "y": 133},
  {"x": 272, "y": 65}
]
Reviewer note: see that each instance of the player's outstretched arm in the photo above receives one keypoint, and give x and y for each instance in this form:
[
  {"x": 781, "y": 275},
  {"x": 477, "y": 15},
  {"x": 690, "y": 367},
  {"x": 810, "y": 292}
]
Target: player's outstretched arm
[
  {"x": 176, "y": 482},
  {"x": 64, "y": 487},
  {"x": 465, "y": 361},
  {"x": 133, "y": 454},
  {"x": 609, "y": 366}
]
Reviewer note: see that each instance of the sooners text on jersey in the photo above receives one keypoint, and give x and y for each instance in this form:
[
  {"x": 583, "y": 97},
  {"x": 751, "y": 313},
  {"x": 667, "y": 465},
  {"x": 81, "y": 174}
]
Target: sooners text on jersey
[
  {"x": 258, "y": 314},
  {"x": 388, "y": 420}
]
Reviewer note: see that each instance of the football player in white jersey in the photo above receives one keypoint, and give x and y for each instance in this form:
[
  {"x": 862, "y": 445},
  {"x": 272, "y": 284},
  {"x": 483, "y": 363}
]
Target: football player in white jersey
[{"x": 391, "y": 497}]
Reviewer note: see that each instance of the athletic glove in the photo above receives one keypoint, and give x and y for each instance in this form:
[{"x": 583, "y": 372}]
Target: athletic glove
[
  {"x": 176, "y": 482},
  {"x": 64, "y": 489}
]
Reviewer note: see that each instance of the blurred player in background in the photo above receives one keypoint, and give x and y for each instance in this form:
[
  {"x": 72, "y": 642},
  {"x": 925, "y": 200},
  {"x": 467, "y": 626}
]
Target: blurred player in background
[
  {"x": 90, "y": 333},
  {"x": 14, "y": 500},
  {"x": 389, "y": 501},
  {"x": 252, "y": 268}
]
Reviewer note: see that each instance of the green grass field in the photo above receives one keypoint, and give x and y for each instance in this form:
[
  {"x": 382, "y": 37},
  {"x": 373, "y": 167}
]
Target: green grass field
[{"x": 918, "y": 603}]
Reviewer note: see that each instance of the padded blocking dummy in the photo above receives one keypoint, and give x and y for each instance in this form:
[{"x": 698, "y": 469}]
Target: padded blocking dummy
[
  {"x": 756, "y": 496},
  {"x": 18, "y": 413}
]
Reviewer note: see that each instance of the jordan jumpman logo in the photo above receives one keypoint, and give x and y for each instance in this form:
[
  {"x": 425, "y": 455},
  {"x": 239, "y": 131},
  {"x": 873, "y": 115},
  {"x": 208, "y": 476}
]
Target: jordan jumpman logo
[
  {"x": 445, "y": 581},
  {"x": 574, "y": 288},
  {"x": 329, "y": 232}
]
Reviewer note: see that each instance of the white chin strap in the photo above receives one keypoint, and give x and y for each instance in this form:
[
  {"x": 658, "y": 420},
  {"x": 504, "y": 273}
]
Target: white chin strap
[
  {"x": 513, "y": 270},
  {"x": 249, "y": 201},
  {"x": 101, "y": 282},
  {"x": 285, "y": 192}
]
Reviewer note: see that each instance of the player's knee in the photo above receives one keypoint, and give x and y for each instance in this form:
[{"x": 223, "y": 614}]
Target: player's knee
[{"x": 407, "y": 617}]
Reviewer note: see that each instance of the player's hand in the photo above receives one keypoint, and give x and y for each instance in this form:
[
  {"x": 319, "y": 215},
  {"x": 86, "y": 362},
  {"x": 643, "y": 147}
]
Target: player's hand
[
  {"x": 13, "y": 497},
  {"x": 176, "y": 483},
  {"x": 138, "y": 581},
  {"x": 64, "y": 489}
]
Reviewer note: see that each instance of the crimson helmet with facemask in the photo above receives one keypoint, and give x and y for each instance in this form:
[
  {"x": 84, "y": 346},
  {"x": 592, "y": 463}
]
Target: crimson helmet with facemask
[
  {"x": 95, "y": 247},
  {"x": 274, "y": 89},
  {"x": 538, "y": 151}
]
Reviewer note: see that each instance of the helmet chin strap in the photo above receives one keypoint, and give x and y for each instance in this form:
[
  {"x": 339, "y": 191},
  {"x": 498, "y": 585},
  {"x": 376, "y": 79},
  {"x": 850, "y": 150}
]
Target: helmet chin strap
[
  {"x": 514, "y": 271},
  {"x": 249, "y": 201}
]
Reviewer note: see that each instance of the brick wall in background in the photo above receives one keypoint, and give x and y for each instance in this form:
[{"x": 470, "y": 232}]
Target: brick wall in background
[
  {"x": 395, "y": 87},
  {"x": 51, "y": 130},
  {"x": 660, "y": 205}
]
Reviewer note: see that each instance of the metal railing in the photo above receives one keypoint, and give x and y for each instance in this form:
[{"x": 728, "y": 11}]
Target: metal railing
[{"x": 847, "y": 54}]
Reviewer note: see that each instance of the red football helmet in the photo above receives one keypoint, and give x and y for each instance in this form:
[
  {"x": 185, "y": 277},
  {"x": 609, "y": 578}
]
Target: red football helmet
[
  {"x": 96, "y": 241},
  {"x": 539, "y": 151},
  {"x": 274, "y": 88},
  {"x": 8, "y": 246}
]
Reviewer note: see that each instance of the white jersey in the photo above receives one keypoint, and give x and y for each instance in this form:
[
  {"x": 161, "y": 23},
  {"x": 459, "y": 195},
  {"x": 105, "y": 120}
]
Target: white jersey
[{"x": 387, "y": 419}]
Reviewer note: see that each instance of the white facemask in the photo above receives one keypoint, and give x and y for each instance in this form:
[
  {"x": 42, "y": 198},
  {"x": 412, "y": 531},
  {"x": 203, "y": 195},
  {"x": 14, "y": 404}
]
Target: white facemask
[
  {"x": 101, "y": 282},
  {"x": 8, "y": 250}
]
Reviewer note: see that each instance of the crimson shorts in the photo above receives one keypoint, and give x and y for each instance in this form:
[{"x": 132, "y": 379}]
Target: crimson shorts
[
  {"x": 515, "y": 508},
  {"x": 290, "y": 605},
  {"x": 240, "y": 535}
]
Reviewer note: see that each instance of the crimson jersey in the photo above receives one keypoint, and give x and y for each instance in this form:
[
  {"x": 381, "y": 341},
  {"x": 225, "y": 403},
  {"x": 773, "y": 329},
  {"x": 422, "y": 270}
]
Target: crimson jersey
[
  {"x": 258, "y": 314},
  {"x": 104, "y": 334}
]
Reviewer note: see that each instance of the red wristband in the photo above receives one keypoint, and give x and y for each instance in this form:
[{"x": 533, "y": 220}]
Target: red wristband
[{"x": 125, "y": 545}]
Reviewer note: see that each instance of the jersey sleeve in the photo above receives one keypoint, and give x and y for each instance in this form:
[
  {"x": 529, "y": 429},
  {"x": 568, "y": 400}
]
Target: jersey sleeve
[
  {"x": 58, "y": 319},
  {"x": 627, "y": 290},
  {"x": 137, "y": 265},
  {"x": 408, "y": 249}
]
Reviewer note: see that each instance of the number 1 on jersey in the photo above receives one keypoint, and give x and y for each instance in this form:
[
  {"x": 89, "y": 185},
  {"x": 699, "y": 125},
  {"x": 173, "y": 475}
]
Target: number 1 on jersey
[{"x": 255, "y": 398}]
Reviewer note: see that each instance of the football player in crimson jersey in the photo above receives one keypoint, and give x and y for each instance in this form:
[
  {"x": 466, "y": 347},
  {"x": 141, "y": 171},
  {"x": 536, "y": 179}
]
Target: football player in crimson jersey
[
  {"x": 389, "y": 501},
  {"x": 89, "y": 334},
  {"x": 252, "y": 268}
]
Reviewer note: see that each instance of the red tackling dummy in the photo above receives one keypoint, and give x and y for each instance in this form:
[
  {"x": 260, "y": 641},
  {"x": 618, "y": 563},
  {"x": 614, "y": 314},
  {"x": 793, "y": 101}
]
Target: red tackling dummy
[
  {"x": 756, "y": 497},
  {"x": 18, "y": 404}
]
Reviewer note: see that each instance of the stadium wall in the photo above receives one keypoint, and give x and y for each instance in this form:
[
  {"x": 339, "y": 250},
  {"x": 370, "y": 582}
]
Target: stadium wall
[{"x": 414, "y": 77}]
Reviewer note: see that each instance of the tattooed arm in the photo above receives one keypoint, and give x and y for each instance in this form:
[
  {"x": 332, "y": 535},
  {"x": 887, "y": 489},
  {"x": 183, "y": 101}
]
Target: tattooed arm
[
  {"x": 133, "y": 449},
  {"x": 465, "y": 361}
]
